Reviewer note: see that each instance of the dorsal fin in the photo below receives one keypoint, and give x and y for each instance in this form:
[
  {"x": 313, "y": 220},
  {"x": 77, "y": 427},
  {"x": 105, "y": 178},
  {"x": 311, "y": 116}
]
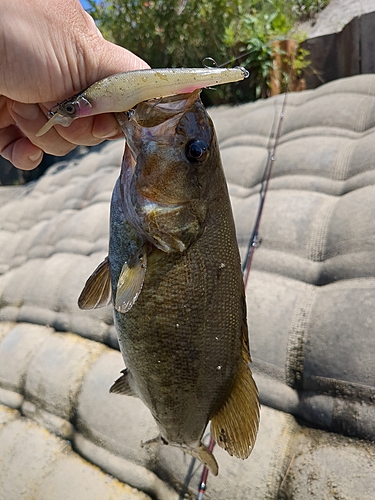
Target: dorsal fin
[
  {"x": 97, "y": 290},
  {"x": 235, "y": 426},
  {"x": 130, "y": 282}
]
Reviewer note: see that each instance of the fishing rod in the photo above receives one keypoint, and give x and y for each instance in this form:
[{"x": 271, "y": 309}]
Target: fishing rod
[
  {"x": 203, "y": 481},
  {"x": 255, "y": 240}
]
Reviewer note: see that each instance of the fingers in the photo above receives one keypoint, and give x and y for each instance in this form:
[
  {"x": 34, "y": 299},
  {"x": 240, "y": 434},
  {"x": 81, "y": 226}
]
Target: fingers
[
  {"x": 29, "y": 119},
  {"x": 23, "y": 154},
  {"x": 17, "y": 141},
  {"x": 20, "y": 145},
  {"x": 89, "y": 131},
  {"x": 106, "y": 127},
  {"x": 59, "y": 140},
  {"x": 115, "y": 59},
  {"x": 18, "y": 149}
]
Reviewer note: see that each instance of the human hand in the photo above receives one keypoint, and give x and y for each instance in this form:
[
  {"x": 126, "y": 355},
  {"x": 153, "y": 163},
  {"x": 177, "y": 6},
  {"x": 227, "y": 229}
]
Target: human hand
[{"x": 51, "y": 51}]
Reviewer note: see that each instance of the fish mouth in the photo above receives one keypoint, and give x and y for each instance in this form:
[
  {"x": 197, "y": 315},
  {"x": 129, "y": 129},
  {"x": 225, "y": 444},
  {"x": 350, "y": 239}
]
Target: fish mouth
[
  {"x": 156, "y": 111},
  {"x": 155, "y": 137},
  {"x": 160, "y": 187},
  {"x": 154, "y": 120}
]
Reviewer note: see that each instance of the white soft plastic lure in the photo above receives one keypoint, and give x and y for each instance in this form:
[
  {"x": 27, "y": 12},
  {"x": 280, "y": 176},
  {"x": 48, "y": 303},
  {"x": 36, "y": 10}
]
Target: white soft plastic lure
[{"x": 123, "y": 91}]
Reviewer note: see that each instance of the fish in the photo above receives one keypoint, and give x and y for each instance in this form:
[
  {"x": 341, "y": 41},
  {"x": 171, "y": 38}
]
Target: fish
[
  {"x": 122, "y": 91},
  {"x": 173, "y": 275}
]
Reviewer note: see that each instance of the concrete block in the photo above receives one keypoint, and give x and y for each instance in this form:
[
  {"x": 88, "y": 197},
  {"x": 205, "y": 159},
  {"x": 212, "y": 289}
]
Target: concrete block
[
  {"x": 326, "y": 466},
  {"x": 59, "y": 426},
  {"x": 5, "y": 328},
  {"x": 55, "y": 373},
  {"x": 35, "y": 464},
  {"x": 16, "y": 352},
  {"x": 7, "y": 415},
  {"x": 125, "y": 470},
  {"x": 11, "y": 398},
  {"x": 115, "y": 422}
]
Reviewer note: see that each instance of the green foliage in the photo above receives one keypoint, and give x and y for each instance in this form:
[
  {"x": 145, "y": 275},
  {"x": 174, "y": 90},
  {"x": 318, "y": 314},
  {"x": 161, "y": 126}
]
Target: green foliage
[
  {"x": 181, "y": 33},
  {"x": 250, "y": 39},
  {"x": 166, "y": 33}
]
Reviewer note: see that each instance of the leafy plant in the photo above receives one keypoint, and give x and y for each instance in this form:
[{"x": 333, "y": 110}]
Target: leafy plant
[
  {"x": 181, "y": 33},
  {"x": 252, "y": 37}
]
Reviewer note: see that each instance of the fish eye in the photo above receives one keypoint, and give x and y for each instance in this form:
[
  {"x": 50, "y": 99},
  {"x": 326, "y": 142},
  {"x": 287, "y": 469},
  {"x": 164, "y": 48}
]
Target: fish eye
[
  {"x": 196, "y": 150},
  {"x": 69, "y": 108}
]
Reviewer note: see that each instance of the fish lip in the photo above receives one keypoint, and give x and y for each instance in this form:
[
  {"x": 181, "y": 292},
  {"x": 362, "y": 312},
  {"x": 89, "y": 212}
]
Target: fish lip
[{"x": 161, "y": 110}]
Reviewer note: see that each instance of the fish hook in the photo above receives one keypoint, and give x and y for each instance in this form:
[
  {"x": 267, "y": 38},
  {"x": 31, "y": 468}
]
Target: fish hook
[
  {"x": 214, "y": 64},
  {"x": 210, "y": 60}
]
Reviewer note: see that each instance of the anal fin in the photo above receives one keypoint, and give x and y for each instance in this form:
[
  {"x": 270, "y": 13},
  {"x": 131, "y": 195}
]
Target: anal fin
[
  {"x": 236, "y": 424},
  {"x": 123, "y": 384},
  {"x": 97, "y": 290}
]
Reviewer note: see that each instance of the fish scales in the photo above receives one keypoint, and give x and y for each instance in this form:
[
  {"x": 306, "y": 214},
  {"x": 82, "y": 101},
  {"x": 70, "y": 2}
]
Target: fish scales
[
  {"x": 175, "y": 336},
  {"x": 183, "y": 331}
]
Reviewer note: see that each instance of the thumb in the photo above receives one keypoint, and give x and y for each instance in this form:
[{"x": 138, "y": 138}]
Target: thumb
[
  {"x": 123, "y": 57},
  {"x": 116, "y": 59},
  {"x": 104, "y": 58}
]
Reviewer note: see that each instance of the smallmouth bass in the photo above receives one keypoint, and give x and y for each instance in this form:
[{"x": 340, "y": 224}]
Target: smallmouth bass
[{"x": 174, "y": 275}]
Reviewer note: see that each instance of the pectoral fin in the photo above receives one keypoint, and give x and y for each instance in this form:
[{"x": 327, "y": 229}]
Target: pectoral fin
[
  {"x": 130, "y": 283},
  {"x": 124, "y": 384},
  {"x": 235, "y": 426},
  {"x": 97, "y": 290}
]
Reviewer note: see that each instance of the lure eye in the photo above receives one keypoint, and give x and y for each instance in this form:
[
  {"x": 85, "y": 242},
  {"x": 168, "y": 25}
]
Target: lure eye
[
  {"x": 196, "y": 151},
  {"x": 69, "y": 108}
]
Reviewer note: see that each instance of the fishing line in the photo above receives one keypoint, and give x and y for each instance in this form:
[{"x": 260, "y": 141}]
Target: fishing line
[
  {"x": 255, "y": 240},
  {"x": 229, "y": 61}
]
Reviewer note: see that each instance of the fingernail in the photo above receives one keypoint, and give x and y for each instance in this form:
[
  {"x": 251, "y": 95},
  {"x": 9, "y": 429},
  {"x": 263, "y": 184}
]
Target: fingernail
[
  {"x": 26, "y": 111},
  {"x": 36, "y": 156}
]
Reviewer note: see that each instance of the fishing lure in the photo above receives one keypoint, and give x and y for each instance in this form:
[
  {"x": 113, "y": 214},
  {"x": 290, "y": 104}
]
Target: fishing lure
[{"x": 123, "y": 91}]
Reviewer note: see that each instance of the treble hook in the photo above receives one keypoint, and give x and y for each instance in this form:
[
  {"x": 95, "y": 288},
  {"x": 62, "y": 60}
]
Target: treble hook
[
  {"x": 214, "y": 64},
  {"x": 209, "y": 60}
]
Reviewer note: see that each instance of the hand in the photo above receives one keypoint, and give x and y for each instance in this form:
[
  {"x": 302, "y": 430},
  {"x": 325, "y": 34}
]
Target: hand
[{"x": 49, "y": 52}]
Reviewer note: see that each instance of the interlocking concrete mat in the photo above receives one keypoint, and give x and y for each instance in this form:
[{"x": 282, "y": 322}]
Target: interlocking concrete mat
[{"x": 311, "y": 316}]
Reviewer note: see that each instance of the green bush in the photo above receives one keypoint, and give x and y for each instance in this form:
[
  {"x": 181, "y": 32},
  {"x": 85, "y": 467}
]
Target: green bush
[{"x": 182, "y": 33}]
